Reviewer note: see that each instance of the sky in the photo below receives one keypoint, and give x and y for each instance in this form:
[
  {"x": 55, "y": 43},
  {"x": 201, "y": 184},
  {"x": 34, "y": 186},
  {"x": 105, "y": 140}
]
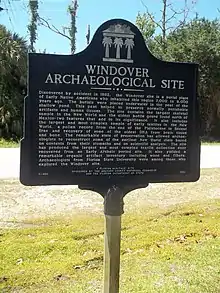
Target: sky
[{"x": 90, "y": 12}]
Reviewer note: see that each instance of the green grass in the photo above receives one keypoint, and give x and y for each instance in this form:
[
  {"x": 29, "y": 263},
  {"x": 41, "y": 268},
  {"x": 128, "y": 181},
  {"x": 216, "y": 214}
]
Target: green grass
[
  {"x": 8, "y": 143},
  {"x": 163, "y": 250},
  {"x": 170, "y": 242}
]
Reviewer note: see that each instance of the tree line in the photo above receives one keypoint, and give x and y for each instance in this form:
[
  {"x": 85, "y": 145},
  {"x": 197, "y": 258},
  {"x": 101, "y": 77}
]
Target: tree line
[
  {"x": 198, "y": 41},
  {"x": 170, "y": 38}
]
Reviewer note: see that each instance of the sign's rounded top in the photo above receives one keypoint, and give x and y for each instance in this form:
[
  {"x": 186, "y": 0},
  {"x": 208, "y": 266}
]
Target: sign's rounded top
[{"x": 119, "y": 41}]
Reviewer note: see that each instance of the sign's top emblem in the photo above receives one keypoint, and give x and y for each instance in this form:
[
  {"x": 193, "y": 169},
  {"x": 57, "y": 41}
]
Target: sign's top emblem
[
  {"x": 121, "y": 38},
  {"x": 119, "y": 29}
]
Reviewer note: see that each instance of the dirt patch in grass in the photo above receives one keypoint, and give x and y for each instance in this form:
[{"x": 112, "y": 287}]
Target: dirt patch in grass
[{"x": 19, "y": 203}]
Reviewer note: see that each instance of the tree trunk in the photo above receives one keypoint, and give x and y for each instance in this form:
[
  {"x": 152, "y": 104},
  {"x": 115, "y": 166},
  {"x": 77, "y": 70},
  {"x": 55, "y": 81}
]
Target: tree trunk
[{"x": 164, "y": 26}]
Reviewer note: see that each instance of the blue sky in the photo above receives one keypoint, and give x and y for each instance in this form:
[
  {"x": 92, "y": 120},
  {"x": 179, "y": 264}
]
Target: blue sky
[{"x": 93, "y": 12}]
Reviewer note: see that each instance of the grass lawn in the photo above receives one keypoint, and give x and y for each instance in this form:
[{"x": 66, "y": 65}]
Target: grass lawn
[
  {"x": 167, "y": 247},
  {"x": 177, "y": 252}
]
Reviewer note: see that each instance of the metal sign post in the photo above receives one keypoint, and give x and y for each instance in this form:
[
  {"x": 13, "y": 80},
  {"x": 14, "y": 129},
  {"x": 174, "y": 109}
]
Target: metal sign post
[
  {"x": 112, "y": 253},
  {"x": 113, "y": 209}
]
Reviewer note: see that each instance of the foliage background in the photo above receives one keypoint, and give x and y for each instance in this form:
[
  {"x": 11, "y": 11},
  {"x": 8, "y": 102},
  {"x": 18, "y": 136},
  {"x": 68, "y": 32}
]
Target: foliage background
[{"x": 196, "y": 40}]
